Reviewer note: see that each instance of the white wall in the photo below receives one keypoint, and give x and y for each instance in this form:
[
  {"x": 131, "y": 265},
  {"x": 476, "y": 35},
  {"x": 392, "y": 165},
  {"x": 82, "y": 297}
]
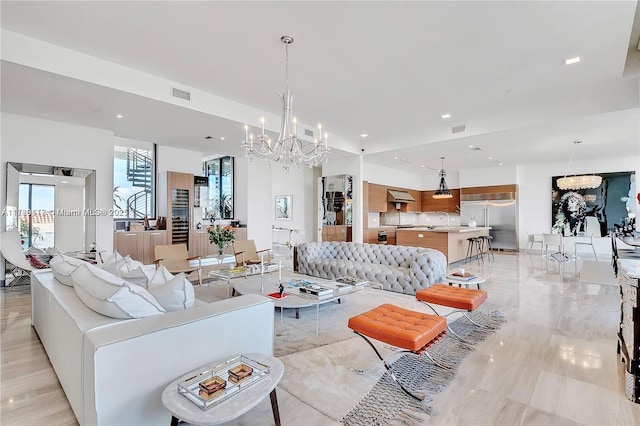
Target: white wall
[
  {"x": 501, "y": 175},
  {"x": 37, "y": 141},
  {"x": 374, "y": 173}
]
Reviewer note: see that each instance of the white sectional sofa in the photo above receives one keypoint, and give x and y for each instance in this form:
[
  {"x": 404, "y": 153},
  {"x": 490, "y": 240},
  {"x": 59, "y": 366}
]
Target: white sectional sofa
[
  {"x": 398, "y": 268},
  {"x": 113, "y": 371}
]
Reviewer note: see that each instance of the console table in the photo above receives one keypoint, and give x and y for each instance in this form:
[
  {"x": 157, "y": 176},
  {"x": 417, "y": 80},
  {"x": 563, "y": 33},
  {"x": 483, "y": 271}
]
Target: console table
[{"x": 629, "y": 333}]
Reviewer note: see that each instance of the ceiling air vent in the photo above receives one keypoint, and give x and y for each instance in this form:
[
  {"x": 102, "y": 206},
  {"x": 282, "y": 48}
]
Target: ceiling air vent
[
  {"x": 458, "y": 129},
  {"x": 308, "y": 132},
  {"x": 182, "y": 94}
]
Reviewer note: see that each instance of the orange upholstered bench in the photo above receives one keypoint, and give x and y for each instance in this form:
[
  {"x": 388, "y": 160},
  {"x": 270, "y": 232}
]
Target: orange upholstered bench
[
  {"x": 454, "y": 297},
  {"x": 410, "y": 330},
  {"x": 462, "y": 299}
]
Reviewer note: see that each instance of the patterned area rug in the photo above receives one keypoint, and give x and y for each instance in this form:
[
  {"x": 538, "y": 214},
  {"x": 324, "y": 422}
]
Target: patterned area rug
[{"x": 387, "y": 404}]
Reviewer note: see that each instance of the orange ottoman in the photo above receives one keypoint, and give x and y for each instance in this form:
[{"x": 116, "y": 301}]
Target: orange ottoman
[
  {"x": 467, "y": 299},
  {"x": 399, "y": 327}
]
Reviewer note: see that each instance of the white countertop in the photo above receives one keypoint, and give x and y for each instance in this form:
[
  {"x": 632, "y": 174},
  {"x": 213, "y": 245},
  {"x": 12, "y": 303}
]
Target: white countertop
[
  {"x": 632, "y": 266},
  {"x": 447, "y": 229}
]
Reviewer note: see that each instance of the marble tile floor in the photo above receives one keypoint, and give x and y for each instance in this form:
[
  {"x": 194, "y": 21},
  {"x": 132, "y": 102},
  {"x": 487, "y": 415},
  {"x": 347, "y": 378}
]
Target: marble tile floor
[{"x": 553, "y": 363}]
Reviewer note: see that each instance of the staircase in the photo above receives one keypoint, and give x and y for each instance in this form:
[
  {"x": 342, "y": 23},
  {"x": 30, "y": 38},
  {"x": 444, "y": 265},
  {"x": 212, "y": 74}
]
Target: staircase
[{"x": 140, "y": 174}]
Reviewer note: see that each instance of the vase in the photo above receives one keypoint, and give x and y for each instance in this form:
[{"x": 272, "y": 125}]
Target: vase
[
  {"x": 221, "y": 249},
  {"x": 472, "y": 223}
]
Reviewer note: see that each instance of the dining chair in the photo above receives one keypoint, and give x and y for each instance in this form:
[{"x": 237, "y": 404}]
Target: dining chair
[
  {"x": 581, "y": 243},
  {"x": 554, "y": 240},
  {"x": 531, "y": 240},
  {"x": 175, "y": 258}
]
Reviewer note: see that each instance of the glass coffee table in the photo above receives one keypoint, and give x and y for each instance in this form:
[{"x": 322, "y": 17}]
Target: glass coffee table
[
  {"x": 294, "y": 298},
  {"x": 244, "y": 272},
  {"x": 470, "y": 280}
]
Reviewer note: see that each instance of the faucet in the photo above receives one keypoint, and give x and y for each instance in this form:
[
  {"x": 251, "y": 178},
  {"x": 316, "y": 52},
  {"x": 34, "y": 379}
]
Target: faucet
[{"x": 448, "y": 223}]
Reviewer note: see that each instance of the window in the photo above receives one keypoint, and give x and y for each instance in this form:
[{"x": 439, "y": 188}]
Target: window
[
  {"x": 134, "y": 180},
  {"x": 36, "y": 224},
  {"x": 219, "y": 204}
]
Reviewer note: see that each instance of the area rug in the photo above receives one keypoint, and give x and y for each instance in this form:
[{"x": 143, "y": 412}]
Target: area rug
[
  {"x": 595, "y": 272},
  {"x": 387, "y": 404}
]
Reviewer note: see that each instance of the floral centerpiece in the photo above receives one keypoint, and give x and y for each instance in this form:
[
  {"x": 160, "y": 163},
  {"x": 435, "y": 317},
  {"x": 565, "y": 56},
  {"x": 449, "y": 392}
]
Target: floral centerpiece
[{"x": 221, "y": 236}]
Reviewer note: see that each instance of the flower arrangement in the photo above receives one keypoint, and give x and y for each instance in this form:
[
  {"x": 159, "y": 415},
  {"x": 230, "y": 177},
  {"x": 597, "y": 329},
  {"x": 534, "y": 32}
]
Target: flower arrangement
[
  {"x": 221, "y": 236},
  {"x": 559, "y": 225}
]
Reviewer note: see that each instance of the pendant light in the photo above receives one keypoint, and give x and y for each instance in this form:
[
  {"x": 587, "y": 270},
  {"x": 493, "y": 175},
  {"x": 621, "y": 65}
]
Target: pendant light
[{"x": 443, "y": 190}]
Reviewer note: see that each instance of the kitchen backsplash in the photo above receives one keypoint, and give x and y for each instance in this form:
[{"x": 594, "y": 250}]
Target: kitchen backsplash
[{"x": 419, "y": 219}]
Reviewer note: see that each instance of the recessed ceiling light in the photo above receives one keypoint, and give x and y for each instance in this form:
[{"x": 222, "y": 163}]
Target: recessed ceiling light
[
  {"x": 221, "y": 138},
  {"x": 572, "y": 60},
  {"x": 422, "y": 166},
  {"x": 119, "y": 116},
  {"x": 500, "y": 163},
  {"x": 490, "y": 158},
  {"x": 363, "y": 135},
  {"x": 470, "y": 146},
  {"x": 446, "y": 116},
  {"x": 395, "y": 158}
]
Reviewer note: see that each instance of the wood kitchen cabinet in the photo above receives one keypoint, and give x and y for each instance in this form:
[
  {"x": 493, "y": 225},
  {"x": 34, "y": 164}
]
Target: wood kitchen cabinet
[
  {"x": 139, "y": 245},
  {"x": 413, "y": 207},
  {"x": 200, "y": 245},
  {"x": 377, "y": 198},
  {"x": 430, "y": 204}
]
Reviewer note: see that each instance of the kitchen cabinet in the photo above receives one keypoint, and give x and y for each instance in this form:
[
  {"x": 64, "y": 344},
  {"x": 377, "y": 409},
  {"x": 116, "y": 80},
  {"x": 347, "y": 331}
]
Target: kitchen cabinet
[
  {"x": 129, "y": 244},
  {"x": 430, "y": 204},
  {"x": 413, "y": 207},
  {"x": 139, "y": 245},
  {"x": 200, "y": 245},
  {"x": 377, "y": 198}
]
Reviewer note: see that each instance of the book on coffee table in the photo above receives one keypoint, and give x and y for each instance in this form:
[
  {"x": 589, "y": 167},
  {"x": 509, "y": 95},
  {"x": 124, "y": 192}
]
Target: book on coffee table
[{"x": 315, "y": 290}]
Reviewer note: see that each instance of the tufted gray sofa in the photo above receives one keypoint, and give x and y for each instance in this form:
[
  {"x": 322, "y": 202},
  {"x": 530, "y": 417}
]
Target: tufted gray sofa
[{"x": 398, "y": 268}]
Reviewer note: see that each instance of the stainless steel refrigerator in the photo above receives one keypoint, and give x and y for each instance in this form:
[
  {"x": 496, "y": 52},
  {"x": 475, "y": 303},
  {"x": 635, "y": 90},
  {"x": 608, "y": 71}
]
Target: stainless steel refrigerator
[{"x": 500, "y": 215}]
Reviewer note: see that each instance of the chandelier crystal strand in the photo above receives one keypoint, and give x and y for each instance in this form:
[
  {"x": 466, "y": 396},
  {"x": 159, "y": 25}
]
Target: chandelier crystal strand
[{"x": 288, "y": 149}]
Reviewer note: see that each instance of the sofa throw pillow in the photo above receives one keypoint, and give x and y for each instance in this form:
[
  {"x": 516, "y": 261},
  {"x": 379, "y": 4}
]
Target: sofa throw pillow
[
  {"x": 115, "y": 256},
  {"x": 63, "y": 266},
  {"x": 112, "y": 296},
  {"x": 127, "y": 268},
  {"x": 172, "y": 292}
]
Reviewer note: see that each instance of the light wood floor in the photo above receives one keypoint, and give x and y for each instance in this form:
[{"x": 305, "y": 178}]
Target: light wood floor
[{"x": 554, "y": 362}]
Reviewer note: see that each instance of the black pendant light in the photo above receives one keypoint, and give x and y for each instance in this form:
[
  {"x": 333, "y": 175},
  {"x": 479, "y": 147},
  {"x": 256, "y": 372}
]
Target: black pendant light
[{"x": 443, "y": 190}]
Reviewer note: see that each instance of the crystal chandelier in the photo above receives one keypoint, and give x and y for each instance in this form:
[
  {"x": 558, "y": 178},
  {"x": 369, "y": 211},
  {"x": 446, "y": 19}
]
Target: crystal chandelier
[
  {"x": 578, "y": 182},
  {"x": 287, "y": 149},
  {"x": 443, "y": 190}
]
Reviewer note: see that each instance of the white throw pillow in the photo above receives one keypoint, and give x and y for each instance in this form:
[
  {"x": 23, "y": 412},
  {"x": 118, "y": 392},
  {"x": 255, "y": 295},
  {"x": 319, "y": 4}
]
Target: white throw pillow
[
  {"x": 112, "y": 296},
  {"x": 172, "y": 292},
  {"x": 63, "y": 266},
  {"x": 127, "y": 268},
  {"x": 112, "y": 259}
]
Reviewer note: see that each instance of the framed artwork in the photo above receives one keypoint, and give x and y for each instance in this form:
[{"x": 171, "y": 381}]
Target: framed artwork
[
  {"x": 593, "y": 211},
  {"x": 284, "y": 204}
]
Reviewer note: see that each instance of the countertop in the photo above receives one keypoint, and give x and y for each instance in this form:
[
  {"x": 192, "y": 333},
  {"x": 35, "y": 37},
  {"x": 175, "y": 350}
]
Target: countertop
[{"x": 444, "y": 229}]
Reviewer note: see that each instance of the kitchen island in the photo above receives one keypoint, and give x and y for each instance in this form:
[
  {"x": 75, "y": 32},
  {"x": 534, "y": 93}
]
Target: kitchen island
[{"x": 452, "y": 241}]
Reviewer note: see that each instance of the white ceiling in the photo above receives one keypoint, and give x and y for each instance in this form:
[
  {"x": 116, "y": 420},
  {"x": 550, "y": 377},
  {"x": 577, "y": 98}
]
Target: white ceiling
[{"x": 388, "y": 69}]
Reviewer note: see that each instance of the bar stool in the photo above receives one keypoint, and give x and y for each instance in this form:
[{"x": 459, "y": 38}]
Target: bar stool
[
  {"x": 486, "y": 244},
  {"x": 474, "y": 243}
]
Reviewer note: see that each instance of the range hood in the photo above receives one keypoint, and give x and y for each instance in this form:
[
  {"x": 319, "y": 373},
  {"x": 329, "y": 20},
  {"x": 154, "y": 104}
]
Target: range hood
[{"x": 396, "y": 196}]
